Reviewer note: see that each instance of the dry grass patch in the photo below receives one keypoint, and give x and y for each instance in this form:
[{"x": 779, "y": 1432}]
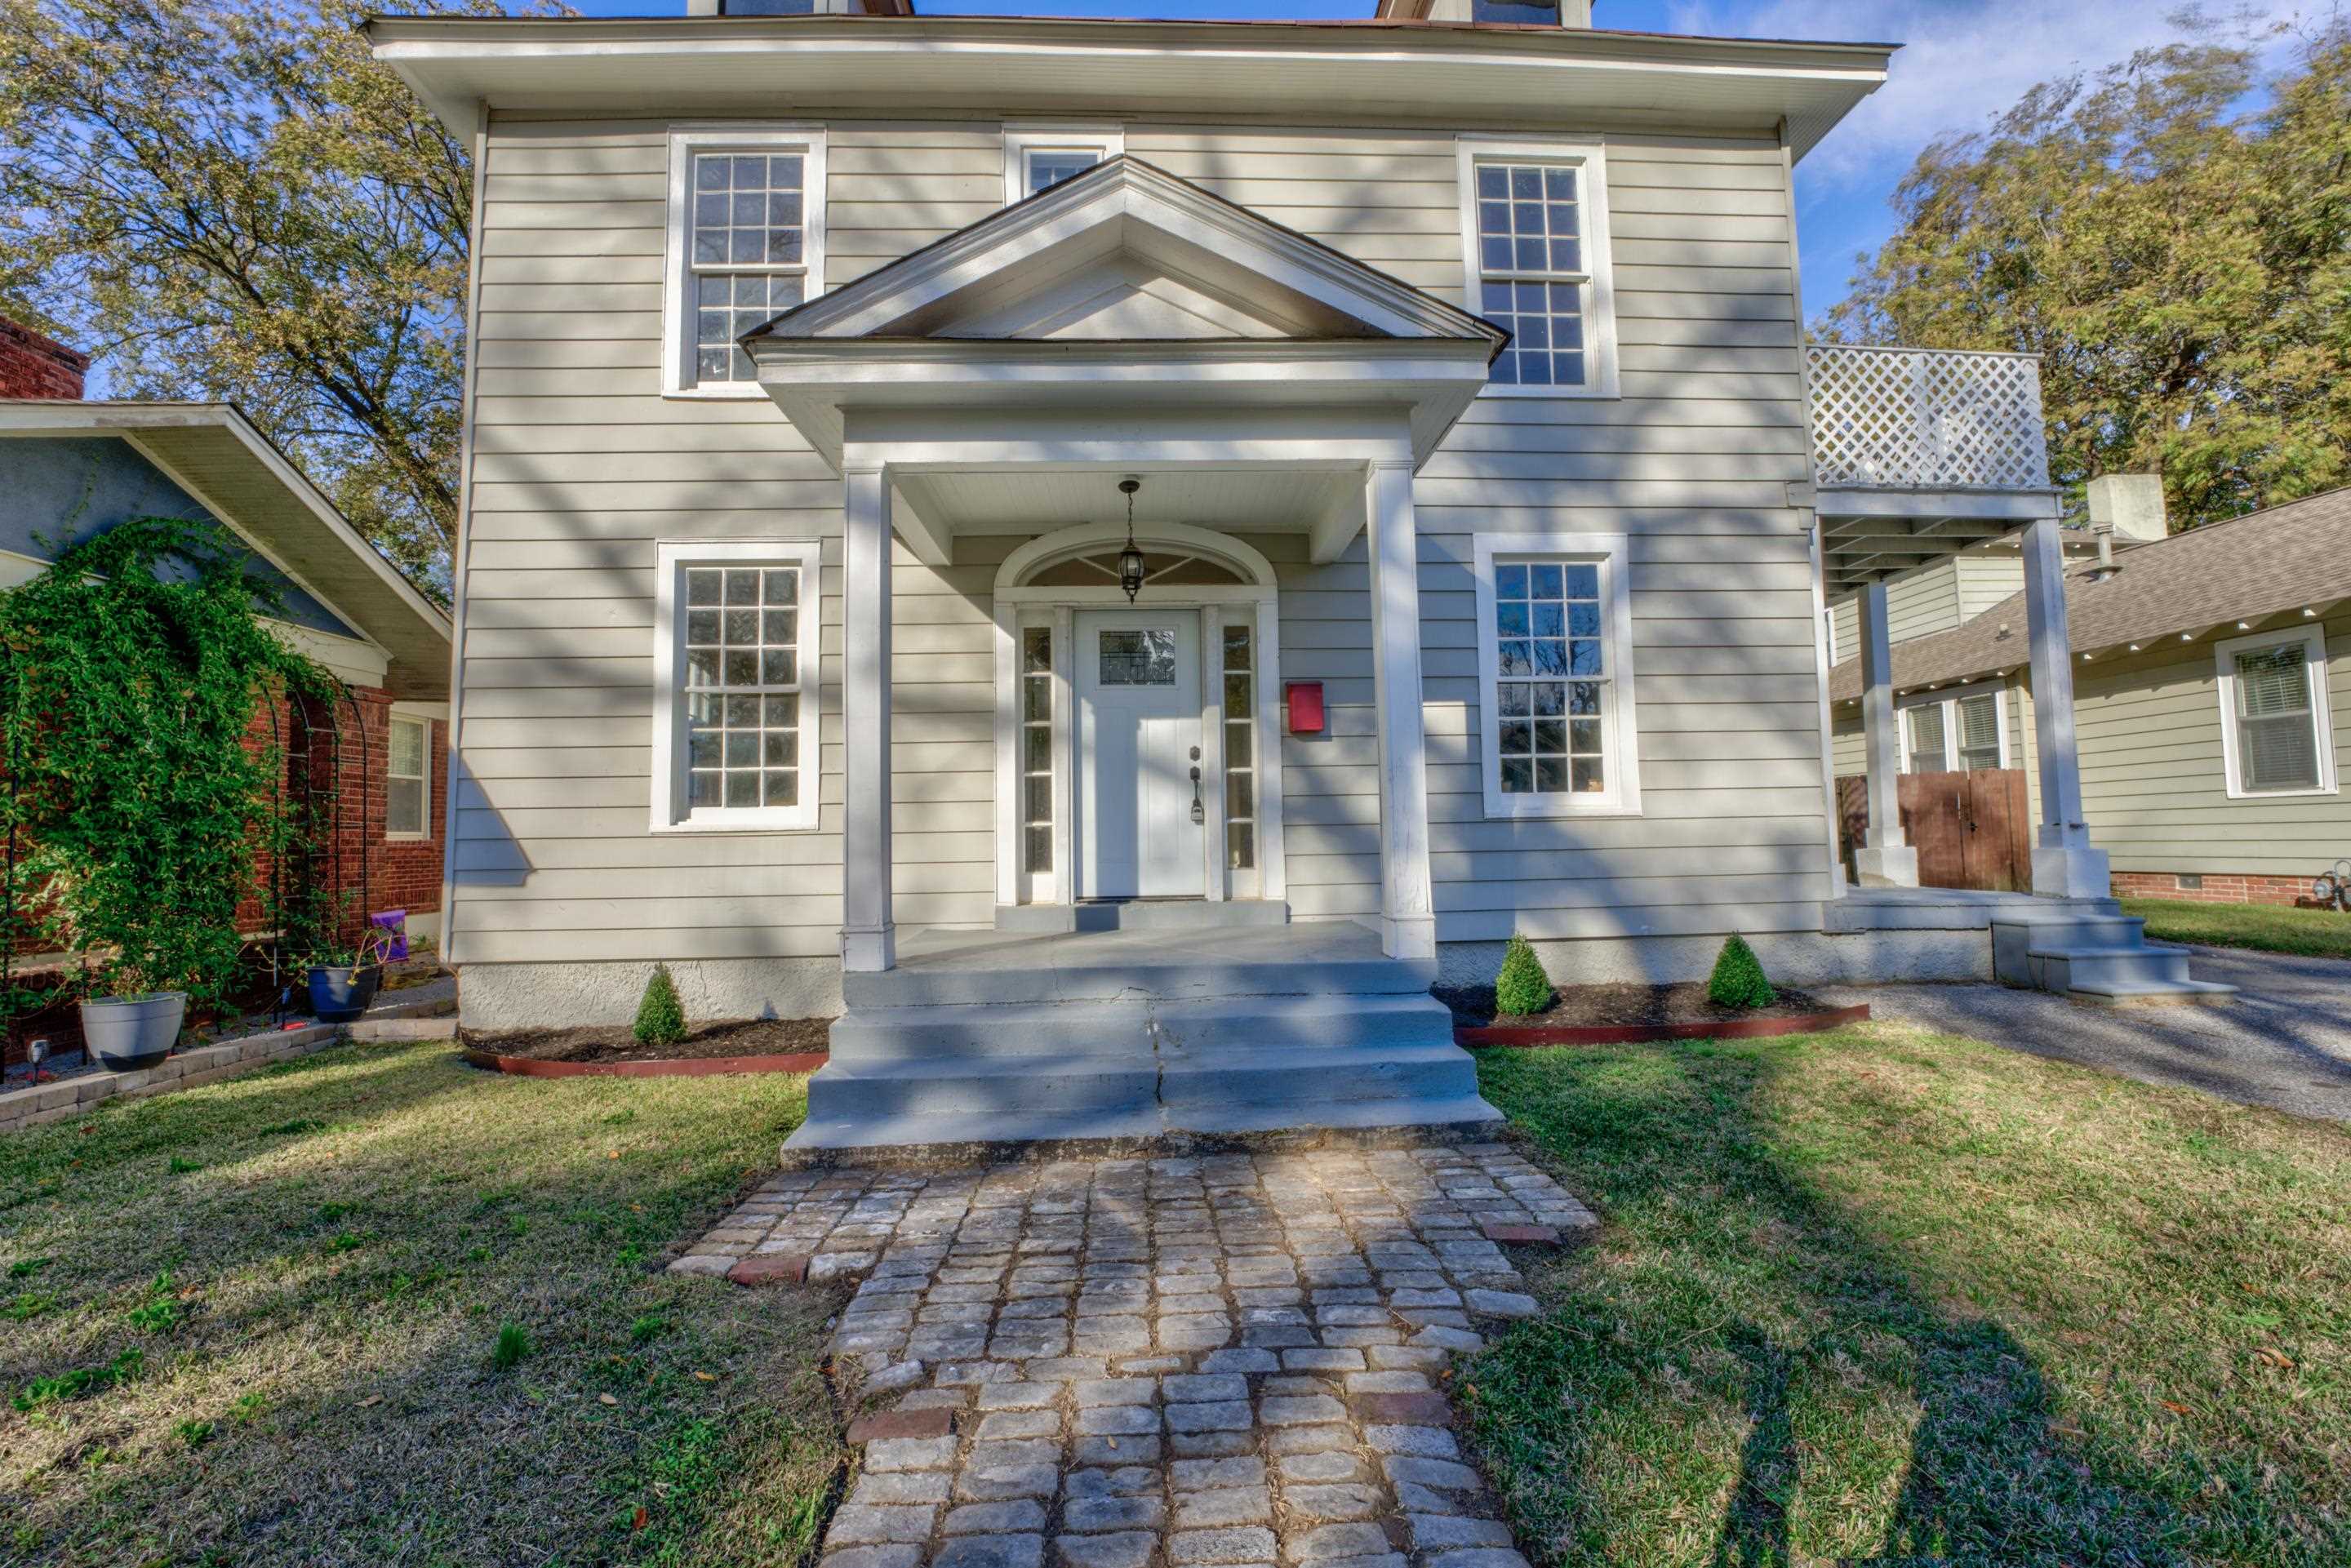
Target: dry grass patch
[
  {"x": 376, "y": 1307},
  {"x": 1883, "y": 1293}
]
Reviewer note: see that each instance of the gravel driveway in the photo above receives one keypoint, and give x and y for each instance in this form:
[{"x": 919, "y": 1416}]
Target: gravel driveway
[{"x": 2284, "y": 1042}]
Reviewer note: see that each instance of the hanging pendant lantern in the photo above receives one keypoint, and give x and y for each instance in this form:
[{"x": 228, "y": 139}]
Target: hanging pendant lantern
[{"x": 1130, "y": 559}]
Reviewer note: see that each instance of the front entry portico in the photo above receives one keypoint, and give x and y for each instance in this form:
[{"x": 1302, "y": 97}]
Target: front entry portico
[{"x": 1003, "y": 381}]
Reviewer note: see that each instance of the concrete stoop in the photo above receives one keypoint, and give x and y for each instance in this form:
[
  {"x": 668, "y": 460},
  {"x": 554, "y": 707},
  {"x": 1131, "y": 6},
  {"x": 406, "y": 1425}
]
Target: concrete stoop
[
  {"x": 1126, "y": 1041},
  {"x": 2095, "y": 955}
]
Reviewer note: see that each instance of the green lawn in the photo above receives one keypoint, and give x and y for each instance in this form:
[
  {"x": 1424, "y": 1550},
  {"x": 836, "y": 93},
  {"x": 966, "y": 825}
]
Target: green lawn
[
  {"x": 2313, "y": 932},
  {"x": 1880, "y": 1293},
  {"x": 255, "y": 1324}
]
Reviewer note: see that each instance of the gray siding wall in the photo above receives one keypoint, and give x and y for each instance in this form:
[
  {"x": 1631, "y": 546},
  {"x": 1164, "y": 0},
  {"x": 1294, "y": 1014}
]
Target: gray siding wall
[{"x": 581, "y": 466}]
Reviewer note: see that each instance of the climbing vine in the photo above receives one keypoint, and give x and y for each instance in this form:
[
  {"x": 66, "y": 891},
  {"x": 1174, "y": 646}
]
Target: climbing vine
[{"x": 139, "y": 804}]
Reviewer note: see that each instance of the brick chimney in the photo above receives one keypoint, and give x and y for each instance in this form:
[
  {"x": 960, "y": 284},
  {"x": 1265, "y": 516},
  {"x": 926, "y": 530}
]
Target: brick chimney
[{"x": 34, "y": 366}]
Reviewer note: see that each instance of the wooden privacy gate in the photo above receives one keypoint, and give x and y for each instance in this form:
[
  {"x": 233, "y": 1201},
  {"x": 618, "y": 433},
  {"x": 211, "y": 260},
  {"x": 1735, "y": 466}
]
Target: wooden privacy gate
[{"x": 1970, "y": 830}]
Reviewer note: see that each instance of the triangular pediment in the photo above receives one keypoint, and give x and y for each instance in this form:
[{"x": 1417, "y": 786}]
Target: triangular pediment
[{"x": 1125, "y": 252}]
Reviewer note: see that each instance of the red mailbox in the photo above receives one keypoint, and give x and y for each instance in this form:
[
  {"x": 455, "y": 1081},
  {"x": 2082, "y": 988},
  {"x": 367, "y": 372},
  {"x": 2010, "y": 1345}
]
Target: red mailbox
[{"x": 1302, "y": 706}]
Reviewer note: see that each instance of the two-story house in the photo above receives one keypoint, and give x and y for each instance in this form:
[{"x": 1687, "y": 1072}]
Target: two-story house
[{"x": 1118, "y": 549}]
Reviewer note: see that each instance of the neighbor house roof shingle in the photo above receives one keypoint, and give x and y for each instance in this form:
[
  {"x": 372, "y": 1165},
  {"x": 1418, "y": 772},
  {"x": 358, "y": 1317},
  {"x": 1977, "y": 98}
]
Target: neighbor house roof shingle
[{"x": 2289, "y": 558}]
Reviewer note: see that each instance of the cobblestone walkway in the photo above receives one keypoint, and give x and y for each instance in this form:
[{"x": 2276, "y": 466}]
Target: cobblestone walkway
[{"x": 1161, "y": 1364}]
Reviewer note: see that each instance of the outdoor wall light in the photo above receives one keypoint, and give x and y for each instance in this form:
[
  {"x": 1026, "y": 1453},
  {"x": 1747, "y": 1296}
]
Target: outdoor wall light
[{"x": 1130, "y": 559}]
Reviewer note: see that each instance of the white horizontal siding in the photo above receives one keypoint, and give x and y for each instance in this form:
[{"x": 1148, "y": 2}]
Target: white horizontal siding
[{"x": 581, "y": 467}]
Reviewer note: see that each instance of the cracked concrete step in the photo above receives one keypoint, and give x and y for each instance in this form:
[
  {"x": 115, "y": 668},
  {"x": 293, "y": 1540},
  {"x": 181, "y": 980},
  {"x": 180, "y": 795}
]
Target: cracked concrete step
[
  {"x": 995, "y": 968},
  {"x": 967, "y": 1127},
  {"x": 1076, "y": 1081},
  {"x": 1304, "y": 1087},
  {"x": 1278, "y": 1023}
]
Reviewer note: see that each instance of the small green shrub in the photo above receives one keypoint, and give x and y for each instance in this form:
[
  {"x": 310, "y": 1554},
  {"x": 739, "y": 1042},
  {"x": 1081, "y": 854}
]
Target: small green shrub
[
  {"x": 512, "y": 1347},
  {"x": 1739, "y": 980},
  {"x": 195, "y": 1434},
  {"x": 1521, "y": 990},
  {"x": 661, "y": 1016}
]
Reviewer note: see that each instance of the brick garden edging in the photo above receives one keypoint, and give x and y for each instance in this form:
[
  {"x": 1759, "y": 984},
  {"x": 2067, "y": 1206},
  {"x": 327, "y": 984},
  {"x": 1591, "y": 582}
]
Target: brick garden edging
[
  {"x": 38, "y": 1102},
  {"x": 681, "y": 1067},
  {"x": 1523, "y": 1035}
]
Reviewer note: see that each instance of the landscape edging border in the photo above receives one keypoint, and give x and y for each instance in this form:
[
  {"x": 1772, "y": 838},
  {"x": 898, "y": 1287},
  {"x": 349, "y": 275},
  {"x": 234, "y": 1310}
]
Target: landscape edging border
[
  {"x": 1526, "y": 1035},
  {"x": 678, "y": 1067}
]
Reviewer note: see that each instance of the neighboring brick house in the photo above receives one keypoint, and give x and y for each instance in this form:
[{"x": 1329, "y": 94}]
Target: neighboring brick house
[{"x": 74, "y": 468}]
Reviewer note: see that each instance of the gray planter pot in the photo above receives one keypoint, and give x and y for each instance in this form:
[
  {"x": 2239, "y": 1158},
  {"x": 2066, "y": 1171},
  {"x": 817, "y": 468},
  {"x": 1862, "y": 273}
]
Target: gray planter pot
[
  {"x": 342, "y": 995},
  {"x": 126, "y": 1033}
]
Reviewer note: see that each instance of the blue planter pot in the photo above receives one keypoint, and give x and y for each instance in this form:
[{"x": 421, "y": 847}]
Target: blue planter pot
[{"x": 341, "y": 995}]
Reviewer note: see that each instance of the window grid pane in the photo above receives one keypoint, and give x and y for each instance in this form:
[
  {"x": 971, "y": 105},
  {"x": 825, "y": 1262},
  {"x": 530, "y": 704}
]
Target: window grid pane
[
  {"x": 1530, "y": 265},
  {"x": 1979, "y": 731},
  {"x": 1926, "y": 737},
  {"x": 406, "y": 777},
  {"x": 743, "y": 681},
  {"x": 1037, "y": 747},
  {"x": 2277, "y": 729},
  {"x": 1048, "y": 166},
  {"x": 1551, "y": 668},
  {"x": 746, "y": 251},
  {"x": 1240, "y": 749}
]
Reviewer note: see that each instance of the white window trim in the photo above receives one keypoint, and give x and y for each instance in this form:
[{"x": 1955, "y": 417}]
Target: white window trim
[
  {"x": 677, "y": 315},
  {"x": 669, "y": 810},
  {"x": 1949, "y": 700},
  {"x": 2224, "y": 661},
  {"x": 424, "y": 815},
  {"x": 1621, "y": 739},
  {"x": 1590, "y": 157},
  {"x": 1022, "y": 138}
]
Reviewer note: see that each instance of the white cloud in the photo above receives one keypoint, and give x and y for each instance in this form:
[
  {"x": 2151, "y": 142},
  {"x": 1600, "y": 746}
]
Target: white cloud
[{"x": 1963, "y": 62}]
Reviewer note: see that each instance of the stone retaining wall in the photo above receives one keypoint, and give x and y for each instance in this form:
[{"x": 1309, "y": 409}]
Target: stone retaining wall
[{"x": 74, "y": 1096}]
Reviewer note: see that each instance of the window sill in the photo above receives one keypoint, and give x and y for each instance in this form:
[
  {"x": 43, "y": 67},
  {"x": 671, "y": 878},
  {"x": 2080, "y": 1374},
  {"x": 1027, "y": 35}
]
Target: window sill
[
  {"x": 408, "y": 838},
  {"x": 1572, "y": 394},
  {"x": 731, "y": 392},
  {"x": 1500, "y": 811},
  {"x": 2281, "y": 794},
  {"x": 779, "y": 824}
]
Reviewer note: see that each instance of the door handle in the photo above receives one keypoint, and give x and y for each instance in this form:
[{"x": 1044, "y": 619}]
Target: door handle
[{"x": 1199, "y": 815}]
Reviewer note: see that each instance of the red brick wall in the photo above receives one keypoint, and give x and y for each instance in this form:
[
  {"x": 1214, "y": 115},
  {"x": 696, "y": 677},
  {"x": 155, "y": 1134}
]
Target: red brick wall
[
  {"x": 2218, "y": 887},
  {"x": 35, "y": 366}
]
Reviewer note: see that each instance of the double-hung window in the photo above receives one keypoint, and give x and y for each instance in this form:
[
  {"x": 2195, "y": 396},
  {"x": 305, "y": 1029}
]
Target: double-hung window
[
  {"x": 2277, "y": 737},
  {"x": 1955, "y": 732},
  {"x": 1535, "y": 246},
  {"x": 408, "y": 779},
  {"x": 734, "y": 685},
  {"x": 745, "y": 244},
  {"x": 1557, "y": 730},
  {"x": 1039, "y": 157}
]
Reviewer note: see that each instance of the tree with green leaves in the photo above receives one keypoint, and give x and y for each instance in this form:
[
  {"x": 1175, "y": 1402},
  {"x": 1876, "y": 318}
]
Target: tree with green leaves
[
  {"x": 2182, "y": 266},
  {"x": 223, "y": 200}
]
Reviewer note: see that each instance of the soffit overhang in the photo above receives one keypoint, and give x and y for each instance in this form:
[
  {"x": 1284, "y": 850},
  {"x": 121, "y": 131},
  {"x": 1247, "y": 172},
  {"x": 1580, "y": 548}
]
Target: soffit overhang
[{"x": 1458, "y": 76}]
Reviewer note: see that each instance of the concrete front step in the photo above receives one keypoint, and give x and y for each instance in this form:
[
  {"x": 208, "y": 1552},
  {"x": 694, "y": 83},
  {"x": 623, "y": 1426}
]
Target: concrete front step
[
  {"x": 998, "y": 969},
  {"x": 2092, "y": 956},
  {"x": 1143, "y": 915},
  {"x": 875, "y": 1035}
]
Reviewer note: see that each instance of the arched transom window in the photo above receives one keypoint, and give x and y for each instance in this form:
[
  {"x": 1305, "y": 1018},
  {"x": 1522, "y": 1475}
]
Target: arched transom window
[{"x": 1164, "y": 568}]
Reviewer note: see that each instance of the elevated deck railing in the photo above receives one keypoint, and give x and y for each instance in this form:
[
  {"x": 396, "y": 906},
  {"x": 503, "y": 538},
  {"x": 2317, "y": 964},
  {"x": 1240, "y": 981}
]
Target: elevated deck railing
[{"x": 1927, "y": 419}]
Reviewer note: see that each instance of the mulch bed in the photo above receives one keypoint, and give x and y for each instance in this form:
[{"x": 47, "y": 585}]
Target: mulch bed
[
  {"x": 613, "y": 1042},
  {"x": 1596, "y": 1014}
]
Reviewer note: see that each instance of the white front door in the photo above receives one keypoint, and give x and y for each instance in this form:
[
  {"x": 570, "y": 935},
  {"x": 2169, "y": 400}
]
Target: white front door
[{"x": 1138, "y": 691}]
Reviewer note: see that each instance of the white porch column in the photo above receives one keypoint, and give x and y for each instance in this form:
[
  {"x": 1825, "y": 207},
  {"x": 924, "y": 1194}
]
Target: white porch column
[
  {"x": 1407, "y": 913},
  {"x": 2064, "y": 865},
  {"x": 868, "y": 940},
  {"x": 1887, "y": 860}
]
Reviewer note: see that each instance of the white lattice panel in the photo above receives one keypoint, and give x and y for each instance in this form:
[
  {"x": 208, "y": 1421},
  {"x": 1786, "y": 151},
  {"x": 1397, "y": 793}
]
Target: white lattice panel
[{"x": 1928, "y": 419}]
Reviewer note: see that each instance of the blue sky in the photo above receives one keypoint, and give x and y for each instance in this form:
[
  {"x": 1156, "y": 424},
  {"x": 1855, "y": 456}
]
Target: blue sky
[{"x": 1963, "y": 62}]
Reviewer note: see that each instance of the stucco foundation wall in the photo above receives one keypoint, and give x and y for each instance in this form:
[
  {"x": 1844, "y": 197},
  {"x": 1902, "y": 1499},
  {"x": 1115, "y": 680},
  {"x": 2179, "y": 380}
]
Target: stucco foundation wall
[
  {"x": 1796, "y": 958},
  {"x": 540, "y": 995}
]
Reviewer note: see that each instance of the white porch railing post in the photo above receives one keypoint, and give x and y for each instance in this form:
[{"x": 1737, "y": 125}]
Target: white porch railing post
[
  {"x": 1407, "y": 911},
  {"x": 868, "y": 940},
  {"x": 2065, "y": 863},
  {"x": 1887, "y": 860}
]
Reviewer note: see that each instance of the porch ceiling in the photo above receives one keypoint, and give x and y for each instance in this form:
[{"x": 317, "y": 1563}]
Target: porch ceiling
[
  {"x": 1277, "y": 501},
  {"x": 1867, "y": 535}
]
